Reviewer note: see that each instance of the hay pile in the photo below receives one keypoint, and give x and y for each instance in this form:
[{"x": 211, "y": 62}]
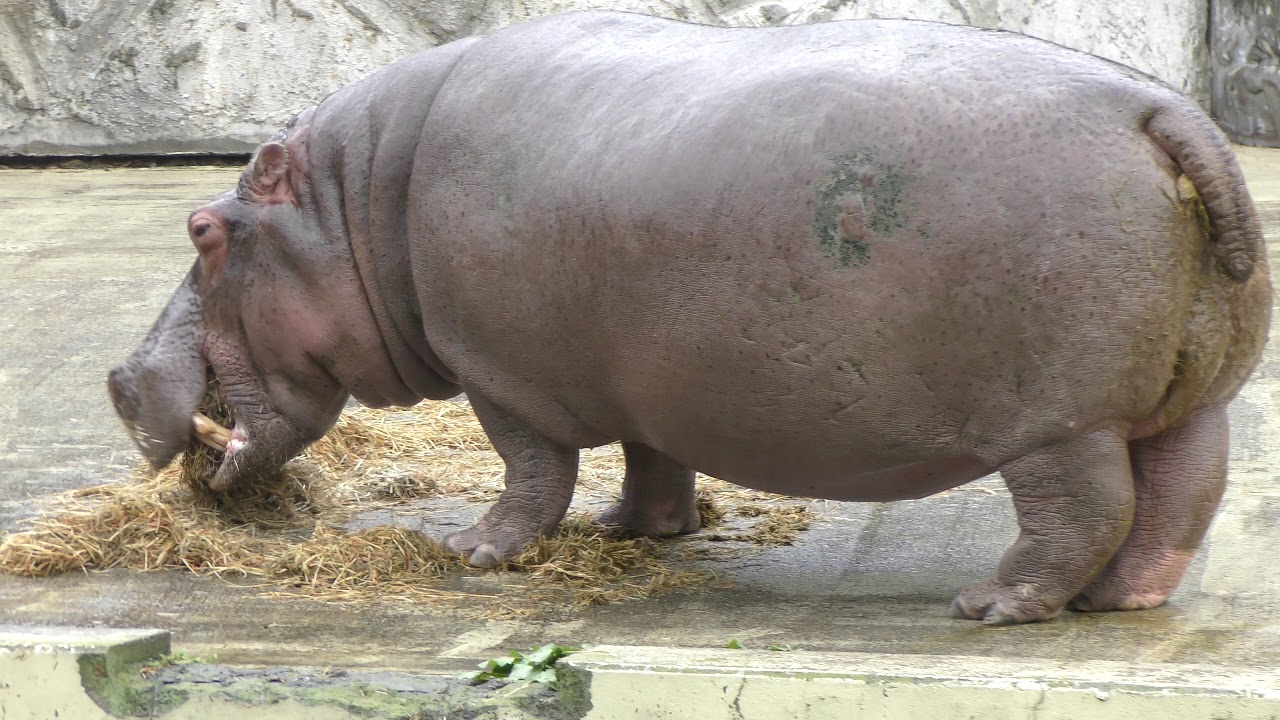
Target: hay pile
[{"x": 291, "y": 533}]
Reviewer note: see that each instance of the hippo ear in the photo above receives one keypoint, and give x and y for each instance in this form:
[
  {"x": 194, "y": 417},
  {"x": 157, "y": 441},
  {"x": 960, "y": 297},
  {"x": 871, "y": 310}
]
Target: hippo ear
[{"x": 270, "y": 178}]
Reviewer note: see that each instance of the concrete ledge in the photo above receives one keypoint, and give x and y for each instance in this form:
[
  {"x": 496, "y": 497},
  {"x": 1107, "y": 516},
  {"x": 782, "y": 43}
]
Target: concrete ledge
[
  {"x": 654, "y": 682},
  {"x": 97, "y": 674},
  {"x": 49, "y": 672},
  {"x": 118, "y": 645}
]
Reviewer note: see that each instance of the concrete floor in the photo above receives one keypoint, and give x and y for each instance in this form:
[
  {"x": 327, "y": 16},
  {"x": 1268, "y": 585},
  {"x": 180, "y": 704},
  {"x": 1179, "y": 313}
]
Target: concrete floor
[{"x": 88, "y": 257}]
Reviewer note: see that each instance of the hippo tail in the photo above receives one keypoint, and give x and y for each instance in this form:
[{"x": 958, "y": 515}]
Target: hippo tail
[{"x": 1203, "y": 154}]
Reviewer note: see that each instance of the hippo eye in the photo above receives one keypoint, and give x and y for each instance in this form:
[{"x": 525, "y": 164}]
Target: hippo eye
[{"x": 207, "y": 236}]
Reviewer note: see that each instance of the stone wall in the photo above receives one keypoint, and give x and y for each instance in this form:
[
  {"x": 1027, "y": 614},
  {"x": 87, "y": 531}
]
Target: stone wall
[
  {"x": 158, "y": 76},
  {"x": 1245, "y": 42}
]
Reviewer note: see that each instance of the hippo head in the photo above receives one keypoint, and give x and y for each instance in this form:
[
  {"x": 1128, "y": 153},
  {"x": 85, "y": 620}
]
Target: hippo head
[{"x": 267, "y": 308}]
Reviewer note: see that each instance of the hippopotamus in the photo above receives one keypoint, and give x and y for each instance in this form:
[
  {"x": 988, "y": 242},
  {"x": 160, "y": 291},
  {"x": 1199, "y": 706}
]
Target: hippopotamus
[{"x": 863, "y": 261}]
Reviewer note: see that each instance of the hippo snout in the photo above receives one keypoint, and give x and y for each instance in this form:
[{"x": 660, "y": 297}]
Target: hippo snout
[
  {"x": 158, "y": 440},
  {"x": 156, "y": 390}
]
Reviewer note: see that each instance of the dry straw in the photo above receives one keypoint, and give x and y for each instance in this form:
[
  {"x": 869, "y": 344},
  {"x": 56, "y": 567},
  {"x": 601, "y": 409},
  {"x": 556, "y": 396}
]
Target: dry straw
[{"x": 291, "y": 531}]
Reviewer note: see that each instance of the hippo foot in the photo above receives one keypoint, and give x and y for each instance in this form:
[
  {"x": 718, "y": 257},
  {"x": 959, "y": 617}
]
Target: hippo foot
[
  {"x": 995, "y": 603},
  {"x": 1101, "y": 597},
  {"x": 1085, "y": 603},
  {"x": 680, "y": 519},
  {"x": 489, "y": 547}
]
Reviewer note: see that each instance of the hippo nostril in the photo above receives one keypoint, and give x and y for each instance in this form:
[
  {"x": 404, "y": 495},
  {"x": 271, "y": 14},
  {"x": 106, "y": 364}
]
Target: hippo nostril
[
  {"x": 122, "y": 396},
  {"x": 201, "y": 229},
  {"x": 113, "y": 386}
]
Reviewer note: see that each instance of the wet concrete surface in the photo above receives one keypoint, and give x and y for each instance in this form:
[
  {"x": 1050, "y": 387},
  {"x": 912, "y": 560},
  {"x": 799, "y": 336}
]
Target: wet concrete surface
[{"x": 90, "y": 256}]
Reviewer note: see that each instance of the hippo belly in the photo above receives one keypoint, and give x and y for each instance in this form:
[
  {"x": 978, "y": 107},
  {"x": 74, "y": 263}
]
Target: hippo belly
[{"x": 797, "y": 476}]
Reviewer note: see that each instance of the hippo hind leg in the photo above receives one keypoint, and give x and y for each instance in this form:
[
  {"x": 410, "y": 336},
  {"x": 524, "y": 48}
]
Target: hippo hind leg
[
  {"x": 1075, "y": 506},
  {"x": 1179, "y": 477},
  {"x": 658, "y": 497},
  {"x": 539, "y": 486}
]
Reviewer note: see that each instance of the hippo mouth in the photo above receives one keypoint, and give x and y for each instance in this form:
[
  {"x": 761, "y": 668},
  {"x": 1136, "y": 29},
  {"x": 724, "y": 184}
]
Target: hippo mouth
[
  {"x": 220, "y": 432},
  {"x": 249, "y": 438}
]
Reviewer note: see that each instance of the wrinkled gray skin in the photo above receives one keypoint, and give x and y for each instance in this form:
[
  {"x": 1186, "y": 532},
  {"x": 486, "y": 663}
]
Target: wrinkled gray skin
[{"x": 861, "y": 260}]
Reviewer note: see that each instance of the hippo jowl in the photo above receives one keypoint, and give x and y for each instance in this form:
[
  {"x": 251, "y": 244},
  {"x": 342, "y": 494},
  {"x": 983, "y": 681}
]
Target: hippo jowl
[{"x": 864, "y": 260}]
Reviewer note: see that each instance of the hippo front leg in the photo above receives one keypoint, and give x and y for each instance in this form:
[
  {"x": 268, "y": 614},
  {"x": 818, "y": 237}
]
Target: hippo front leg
[
  {"x": 540, "y": 478},
  {"x": 1075, "y": 505}
]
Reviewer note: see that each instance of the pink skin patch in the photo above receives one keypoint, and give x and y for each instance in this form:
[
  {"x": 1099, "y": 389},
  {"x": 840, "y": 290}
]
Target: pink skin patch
[
  {"x": 237, "y": 442},
  {"x": 1141, "y": 601},
  {"x": 1149, "y": 584},
  {"x": 1159, "y": 576}
]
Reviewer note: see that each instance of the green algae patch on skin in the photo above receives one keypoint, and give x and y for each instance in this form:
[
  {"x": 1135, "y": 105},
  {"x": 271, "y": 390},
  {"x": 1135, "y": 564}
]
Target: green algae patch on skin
[{"x": 860, "y": 198}]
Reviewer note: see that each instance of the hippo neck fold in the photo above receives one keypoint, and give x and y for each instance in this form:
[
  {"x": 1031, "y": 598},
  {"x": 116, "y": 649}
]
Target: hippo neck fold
[{"x": 361, "y": 149}]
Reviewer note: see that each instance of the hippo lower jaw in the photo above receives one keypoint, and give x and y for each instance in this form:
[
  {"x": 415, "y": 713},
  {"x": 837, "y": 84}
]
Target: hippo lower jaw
[
  {"x": 235, "y": 447},
  {"x": 242, "y": 460},
  {"x": 247, "y": 455},
  {"x": 258, "y": 438}
]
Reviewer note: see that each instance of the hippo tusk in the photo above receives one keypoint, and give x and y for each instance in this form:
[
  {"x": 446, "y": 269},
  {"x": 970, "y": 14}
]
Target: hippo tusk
[{"x": 210, "y": 433}]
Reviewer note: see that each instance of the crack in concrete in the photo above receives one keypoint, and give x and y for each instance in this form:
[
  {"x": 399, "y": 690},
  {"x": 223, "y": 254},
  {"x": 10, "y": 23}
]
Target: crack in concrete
[
  {"x": 299, "y": 12},
  {"x": 736, "y": 704},
  {"x": 362, "y": 16}
]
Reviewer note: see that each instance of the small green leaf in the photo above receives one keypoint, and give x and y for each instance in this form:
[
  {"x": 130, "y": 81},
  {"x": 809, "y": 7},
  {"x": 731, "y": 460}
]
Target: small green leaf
[
  {"x": 544, "y": 655},
  {"x": 733, "y": 645},
  {"x": 781, "y": 648},
  {"x": 537, "y": 665}
]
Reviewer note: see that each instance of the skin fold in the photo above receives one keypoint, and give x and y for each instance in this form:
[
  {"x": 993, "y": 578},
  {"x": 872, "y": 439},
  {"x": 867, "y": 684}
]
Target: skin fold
[{"x": 865, "y": 261}]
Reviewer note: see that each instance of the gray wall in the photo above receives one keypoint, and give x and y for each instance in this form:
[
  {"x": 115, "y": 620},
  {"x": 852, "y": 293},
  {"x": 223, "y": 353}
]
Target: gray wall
[
  {"x": 1245, "y": 42},
  {"x": 104, "y": 76}
]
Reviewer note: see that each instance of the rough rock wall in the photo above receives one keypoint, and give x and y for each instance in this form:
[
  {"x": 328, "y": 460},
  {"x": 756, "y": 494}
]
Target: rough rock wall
[
  {"x": 113, "y": 76},
  {"x": 1245, "y": 50}
]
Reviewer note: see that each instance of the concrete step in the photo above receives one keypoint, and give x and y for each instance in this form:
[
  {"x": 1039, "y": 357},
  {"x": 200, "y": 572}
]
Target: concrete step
[
  {"x": 99, "y": 673},
  {"x": 617, "y": 682}
]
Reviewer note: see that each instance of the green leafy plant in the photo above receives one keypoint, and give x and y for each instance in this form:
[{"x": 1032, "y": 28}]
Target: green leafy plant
[
  {"x": 733, "y": 644},
  {"x": 538, "y": 665}
]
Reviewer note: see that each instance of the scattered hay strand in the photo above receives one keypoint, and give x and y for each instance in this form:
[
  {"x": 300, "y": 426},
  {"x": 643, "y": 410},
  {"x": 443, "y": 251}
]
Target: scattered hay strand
[
  {"x": 595, "y": 565},
  {"x": 127, "y": 526},
  {"x": 708, "y": 509},
  {"x": 288, "y": 530},
  {"x": 394, "y": 562},
  {"x": 779, "y": 525}
]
